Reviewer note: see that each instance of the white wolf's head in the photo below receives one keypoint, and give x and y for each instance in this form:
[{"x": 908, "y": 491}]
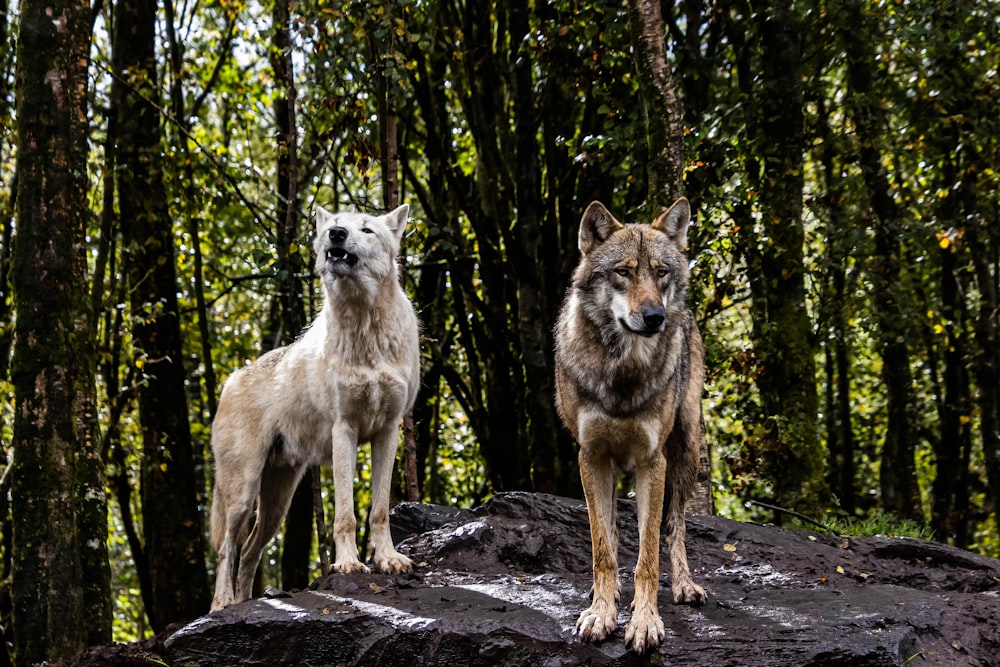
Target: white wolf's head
[{"x": 356, "y": 252}]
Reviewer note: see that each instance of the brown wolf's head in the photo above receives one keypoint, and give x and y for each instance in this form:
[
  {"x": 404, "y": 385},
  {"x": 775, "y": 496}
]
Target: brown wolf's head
[{"x": 635, "y": 275}]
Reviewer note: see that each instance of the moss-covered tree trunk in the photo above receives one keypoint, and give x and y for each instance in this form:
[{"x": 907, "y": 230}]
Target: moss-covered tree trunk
[
  {"x": 172, "y": 521},
  {"x": 60, "y": 562},
  {"x": 664, "y": 114}
]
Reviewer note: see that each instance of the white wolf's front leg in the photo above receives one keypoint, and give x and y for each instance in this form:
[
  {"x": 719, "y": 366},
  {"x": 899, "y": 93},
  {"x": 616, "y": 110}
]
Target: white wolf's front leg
[
  {"x": 345, "y": 457},
  {"x": 387, "y": 559}
]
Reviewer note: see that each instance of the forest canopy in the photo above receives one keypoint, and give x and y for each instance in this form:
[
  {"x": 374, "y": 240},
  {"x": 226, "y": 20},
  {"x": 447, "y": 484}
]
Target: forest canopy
[{"x": 842, "y": 163}]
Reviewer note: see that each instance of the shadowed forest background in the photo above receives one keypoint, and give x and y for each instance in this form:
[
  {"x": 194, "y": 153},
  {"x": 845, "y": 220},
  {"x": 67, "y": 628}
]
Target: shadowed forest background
[{"x": 160, "y": 164}]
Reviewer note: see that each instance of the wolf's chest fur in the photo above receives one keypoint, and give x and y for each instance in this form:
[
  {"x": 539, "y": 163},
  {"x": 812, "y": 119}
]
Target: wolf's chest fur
[{"x": 371, "y": 367}]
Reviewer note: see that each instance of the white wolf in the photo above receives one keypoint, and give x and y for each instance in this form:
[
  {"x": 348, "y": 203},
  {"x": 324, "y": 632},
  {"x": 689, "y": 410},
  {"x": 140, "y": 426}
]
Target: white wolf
[{"x": 347, "y": 380}]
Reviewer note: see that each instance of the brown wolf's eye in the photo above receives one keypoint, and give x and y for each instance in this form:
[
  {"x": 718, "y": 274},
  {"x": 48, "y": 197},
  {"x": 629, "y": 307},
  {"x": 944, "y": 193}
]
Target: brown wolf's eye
[
  {"x": 662, "y": 272},
  {"x": 623, "y": 272}
]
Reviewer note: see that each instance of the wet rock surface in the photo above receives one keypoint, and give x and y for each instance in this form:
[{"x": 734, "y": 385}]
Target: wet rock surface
[{"x": 504, "y": 584}]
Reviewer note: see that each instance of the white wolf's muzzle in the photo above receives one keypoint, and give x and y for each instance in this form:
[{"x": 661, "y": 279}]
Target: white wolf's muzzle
[{"x": 340, "y": 260}]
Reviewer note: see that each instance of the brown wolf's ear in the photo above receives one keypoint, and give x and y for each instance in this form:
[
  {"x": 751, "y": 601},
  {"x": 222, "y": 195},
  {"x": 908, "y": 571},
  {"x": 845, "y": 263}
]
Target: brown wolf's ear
[
  {"x": 396, "y": 220},
  {"x": 596, "y": 226},
  {"x": 674, "y": 222}
]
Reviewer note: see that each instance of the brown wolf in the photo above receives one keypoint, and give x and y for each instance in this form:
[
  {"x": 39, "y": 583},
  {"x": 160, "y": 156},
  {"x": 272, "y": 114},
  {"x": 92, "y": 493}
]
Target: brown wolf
[
  {"x": 629, "y": 380},
  {"x": 347, "y": 380}
]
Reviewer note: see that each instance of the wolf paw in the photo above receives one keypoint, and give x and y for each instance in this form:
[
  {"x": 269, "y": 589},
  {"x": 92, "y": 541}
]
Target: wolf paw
[
  {"x": 350, "y": 567},
  {"x": 688, "y": 592},
  {"x": 393, "y": 563},
  {"x": 644, "y": 631},
  {"x": 597, "y": 622}
]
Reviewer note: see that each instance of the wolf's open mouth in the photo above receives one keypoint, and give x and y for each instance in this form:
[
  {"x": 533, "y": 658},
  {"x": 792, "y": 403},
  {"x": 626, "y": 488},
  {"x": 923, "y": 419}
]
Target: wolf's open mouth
[{"x": 341, "y": 255}]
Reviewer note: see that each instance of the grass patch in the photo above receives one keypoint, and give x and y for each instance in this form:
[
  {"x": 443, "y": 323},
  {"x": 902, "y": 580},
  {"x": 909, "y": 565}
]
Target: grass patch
[{"x": 882, "y": 524}]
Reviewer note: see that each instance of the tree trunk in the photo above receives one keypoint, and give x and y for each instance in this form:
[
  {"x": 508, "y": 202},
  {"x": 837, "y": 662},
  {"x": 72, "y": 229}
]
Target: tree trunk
[
  {"x": 288, "y": 310},
  {"x": 193, "y": 201},
  {"x": 61, "y": 577},
  {"x": 490, "y": 209},
  {"x": 982, "y": 240},
  {"x": 384, "y": 52},
  {"x": 782, "y": 331},
  {"x": 898, "y": 474},
  {"x": 535, "y": 312},
  {"x": 172, "y": 522},
  {"x": 664, "y": 120},
  {"x": 663, "y": 111},
  {"x": 841, "y": 464},
  {"x": 951, "y": 482}
]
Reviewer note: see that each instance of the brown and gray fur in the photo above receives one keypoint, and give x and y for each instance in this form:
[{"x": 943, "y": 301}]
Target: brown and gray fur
[
  {"x": 629, "y": 380},
  {"x": 347, "y": 380}
]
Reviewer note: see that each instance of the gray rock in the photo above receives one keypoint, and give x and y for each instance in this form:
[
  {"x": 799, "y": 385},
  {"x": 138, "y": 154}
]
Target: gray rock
[{"x": 504, "y": 584}]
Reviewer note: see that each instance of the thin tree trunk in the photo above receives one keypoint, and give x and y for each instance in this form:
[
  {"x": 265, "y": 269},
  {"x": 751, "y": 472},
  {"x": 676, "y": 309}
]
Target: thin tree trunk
[
  {"x": 289, "y": 307},
  {"x": 664, "y": 116},
  {"x": 782, "y": 334},
  {"x": 898, "y": 474},
  {"x": 840, "y": 433},
  {"x": 389, "y": 150},
  {"x": 987, "y": 356},
  {"x": 172, "y": 523},
  {"x": 192, "y": 197},
  {"x": 663, "y": 110},
  {"x": 535, "y": 314},
  {"x": 948, "y": 518}
]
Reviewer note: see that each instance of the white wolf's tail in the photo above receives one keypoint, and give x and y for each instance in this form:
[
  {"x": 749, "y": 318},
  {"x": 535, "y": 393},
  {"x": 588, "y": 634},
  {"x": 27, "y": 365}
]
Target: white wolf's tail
[{"x": 218, "y": 520}]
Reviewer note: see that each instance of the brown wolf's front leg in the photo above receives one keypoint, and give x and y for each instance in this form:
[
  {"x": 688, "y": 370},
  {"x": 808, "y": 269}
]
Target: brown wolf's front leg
[
  {"x": 601, "y": 619},
  {"x": 645, "y": 630}
]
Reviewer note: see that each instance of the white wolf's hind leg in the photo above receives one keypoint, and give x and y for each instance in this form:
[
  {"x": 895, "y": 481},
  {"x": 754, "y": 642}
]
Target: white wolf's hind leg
[
  {"x": 237, "y": 516},
  {"x": 277, "y": 485}
]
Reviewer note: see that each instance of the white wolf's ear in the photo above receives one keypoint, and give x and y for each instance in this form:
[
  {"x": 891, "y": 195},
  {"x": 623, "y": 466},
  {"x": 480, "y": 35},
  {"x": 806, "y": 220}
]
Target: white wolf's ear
[
  {"x": 596, "y": 226},
  {"x": 674, "y": 222},
  {"x": 395, "y": 220},
  {"x": 322, "y": 217}
]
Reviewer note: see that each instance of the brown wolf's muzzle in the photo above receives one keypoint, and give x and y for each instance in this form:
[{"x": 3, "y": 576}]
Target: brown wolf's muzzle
[{"x": 648, "y": 321}]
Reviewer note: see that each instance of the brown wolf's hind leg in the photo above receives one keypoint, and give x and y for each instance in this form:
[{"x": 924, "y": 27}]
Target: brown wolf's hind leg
[{"x": 682, "y": 461}]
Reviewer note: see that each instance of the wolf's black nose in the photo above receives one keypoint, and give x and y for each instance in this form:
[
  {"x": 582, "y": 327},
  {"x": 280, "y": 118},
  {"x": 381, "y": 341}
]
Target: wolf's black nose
[
  {"x": 653, "y": 317},
  {"x": 338, "y": 234}
]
